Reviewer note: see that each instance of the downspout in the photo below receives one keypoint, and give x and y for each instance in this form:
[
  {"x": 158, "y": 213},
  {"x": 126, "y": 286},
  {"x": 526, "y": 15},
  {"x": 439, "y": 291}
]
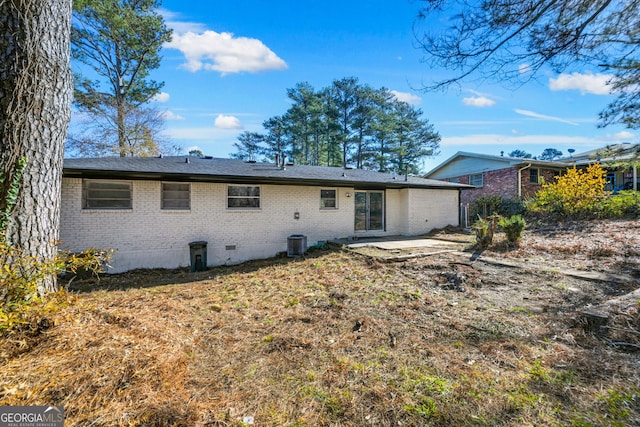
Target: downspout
[
  {"x": 459, "y": 208},
  {"x": 520, "y": 180}
]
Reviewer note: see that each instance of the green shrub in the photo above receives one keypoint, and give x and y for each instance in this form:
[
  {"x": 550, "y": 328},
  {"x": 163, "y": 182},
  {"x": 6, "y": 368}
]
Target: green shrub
[
  {"x": 485, "y": 228},
  {"x": 622, "y": 204},
  {"x": 513, "y": 227},
  {"x": 485, "y": 207}
]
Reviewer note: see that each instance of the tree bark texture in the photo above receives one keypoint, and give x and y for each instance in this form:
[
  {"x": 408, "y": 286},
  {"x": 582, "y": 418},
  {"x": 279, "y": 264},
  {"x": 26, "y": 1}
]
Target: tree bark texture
[{"x": 36, "y": 90}]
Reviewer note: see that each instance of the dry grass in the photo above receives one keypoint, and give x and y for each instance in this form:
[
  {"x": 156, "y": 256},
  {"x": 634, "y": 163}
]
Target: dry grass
[{"x": 337, "y": 339}]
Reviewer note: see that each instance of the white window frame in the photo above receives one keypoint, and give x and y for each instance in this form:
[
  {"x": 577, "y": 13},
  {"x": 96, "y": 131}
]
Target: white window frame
[
  {"x": 92, "y": 199},
  {"x": 474, "y": 178},
  {"x": 334, "y": 198},
  {"x": 177, "y": 201},
  {"x": 239, "y": 197}
]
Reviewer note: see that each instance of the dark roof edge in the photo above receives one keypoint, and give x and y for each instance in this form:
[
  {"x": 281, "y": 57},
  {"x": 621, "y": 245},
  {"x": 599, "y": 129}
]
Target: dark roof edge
[{"x": 179, "y": 177}]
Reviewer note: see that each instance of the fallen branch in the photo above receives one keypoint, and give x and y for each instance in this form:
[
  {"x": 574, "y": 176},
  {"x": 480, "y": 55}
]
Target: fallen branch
[{"x": 625, "y": 345}]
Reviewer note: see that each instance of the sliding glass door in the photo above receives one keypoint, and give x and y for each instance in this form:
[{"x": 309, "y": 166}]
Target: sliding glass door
[{"x": 369, "y": 210}]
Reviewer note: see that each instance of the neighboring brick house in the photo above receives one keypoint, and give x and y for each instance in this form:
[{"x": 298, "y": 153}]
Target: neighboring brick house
[
  {"x": 150, "y": 209},
  {"x": 509, "y": 177}
]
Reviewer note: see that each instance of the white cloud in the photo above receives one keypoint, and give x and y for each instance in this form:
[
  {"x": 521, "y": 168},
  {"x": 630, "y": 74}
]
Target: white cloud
[
  {"x": 170, "y": 115},
  {"x": 172, "y": 20},
  {"x": 596, "y": 84},
  {"x": 227, "y": 122},
  {"x": 161, "y": 97},
  {"x": 477, "y": 123},
  {"x": 409, "y": 98},
  {"x": 544, "y": 117},
  {"x": 478, "y": 101},
  {"x": 621, "y": 136},
  {"x": 202, "y": 133},
  {"x": 225, "y": 53},
  {"x": 518, "y": 140}
]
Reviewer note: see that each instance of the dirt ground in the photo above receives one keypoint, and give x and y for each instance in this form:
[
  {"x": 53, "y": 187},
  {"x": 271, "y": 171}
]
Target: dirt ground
[
  {"x": 502, "y": 337},
  {"x": 592, "y": 261}
]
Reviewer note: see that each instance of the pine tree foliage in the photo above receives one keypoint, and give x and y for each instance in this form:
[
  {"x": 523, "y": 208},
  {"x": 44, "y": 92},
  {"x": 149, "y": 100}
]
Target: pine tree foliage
[
  {"x": 511, "y": 40},
  {"x": 116, "y": 45},
  {"x": 347, "y": 124}
]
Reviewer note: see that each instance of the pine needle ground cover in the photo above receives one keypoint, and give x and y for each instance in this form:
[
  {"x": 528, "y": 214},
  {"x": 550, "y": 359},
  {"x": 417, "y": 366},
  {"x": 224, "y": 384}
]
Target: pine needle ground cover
[{"x": 344, "y": 339}]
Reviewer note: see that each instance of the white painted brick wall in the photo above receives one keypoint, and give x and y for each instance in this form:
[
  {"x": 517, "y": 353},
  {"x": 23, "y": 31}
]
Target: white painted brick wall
[
  {"x": 149, "y": 237},
  {"x": 431, "y": 209}
]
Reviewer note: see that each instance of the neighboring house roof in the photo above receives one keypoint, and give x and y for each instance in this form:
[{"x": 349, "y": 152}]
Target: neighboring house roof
[
  {"x": 181, "y": 168},
  {"x": 466, "y": 163},
  {"x": 609, "y": 153}
]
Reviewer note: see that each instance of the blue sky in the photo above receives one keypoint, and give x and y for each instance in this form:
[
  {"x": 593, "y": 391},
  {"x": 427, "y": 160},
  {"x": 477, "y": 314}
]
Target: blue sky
[{"x": 230, "y": 63}]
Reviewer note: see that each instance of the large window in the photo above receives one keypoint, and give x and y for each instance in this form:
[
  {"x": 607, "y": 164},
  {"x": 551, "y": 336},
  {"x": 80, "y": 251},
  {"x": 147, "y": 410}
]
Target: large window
[
  {"x": 476, "y": 180},
  {"x": 243, "y": 197},
  {"x": 176, "y": 196},
  {"x": 98, "y": 194},
  {"x": 328, "y": 199}
]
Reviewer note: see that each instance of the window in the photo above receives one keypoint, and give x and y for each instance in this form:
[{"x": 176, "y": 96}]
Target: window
[
  {"x": 106, "y": 194},
  {"x": 243, "y": 197},
  {"x": 328, "y": 199},
  {"x": 534, "y": 176},
  {"x": 176, "y": 196},
  {"x": 456, "y": 179},
  {"x": 476, "y": 180}
]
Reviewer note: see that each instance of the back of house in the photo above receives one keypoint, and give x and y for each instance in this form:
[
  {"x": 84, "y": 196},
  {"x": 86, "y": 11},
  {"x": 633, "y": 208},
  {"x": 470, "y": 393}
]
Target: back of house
[{"x": 150, "y": 209}]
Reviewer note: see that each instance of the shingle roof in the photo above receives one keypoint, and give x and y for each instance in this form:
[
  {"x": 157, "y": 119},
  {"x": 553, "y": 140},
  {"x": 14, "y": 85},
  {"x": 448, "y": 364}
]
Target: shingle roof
[
  {"x": 508, "y": 161},
  {"x": 183, "y": 168}
]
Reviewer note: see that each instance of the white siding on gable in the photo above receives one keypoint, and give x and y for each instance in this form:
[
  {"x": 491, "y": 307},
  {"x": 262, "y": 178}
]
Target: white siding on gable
[
  {"x": 468, "y": 166},
  {"x": 149, "y": 237}
]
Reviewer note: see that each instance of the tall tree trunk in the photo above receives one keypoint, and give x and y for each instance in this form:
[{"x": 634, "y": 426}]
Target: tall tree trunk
[
  {"x": 36, "y": 89},
  {"x": 120, "y": 118}
]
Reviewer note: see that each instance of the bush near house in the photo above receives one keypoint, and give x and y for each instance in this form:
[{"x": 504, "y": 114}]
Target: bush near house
[
  {"x": 622, "y": 204},
  {"x": 485, "y": 229},
  {"x": 513, "y": 227},
  {"x": 580, "y": 194},
  {"x": 21, "y": 301},
  {"x": 486, "y": 206}
]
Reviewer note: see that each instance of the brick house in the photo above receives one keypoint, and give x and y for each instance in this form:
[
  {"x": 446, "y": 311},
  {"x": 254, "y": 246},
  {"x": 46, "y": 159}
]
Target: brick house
[
  {"x": 509, "y": 177},
  {"x": 150, "y": 209}
]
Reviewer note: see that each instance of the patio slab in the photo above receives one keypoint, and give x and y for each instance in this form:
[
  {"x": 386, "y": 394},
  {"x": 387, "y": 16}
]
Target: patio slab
[{"x": 402, "y": 242}]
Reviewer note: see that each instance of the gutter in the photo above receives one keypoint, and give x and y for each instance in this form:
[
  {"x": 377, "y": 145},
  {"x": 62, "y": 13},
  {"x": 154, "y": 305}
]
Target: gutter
[
  {"x": 520, "y": 180},
  {"x": 244, "y": 179}
]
